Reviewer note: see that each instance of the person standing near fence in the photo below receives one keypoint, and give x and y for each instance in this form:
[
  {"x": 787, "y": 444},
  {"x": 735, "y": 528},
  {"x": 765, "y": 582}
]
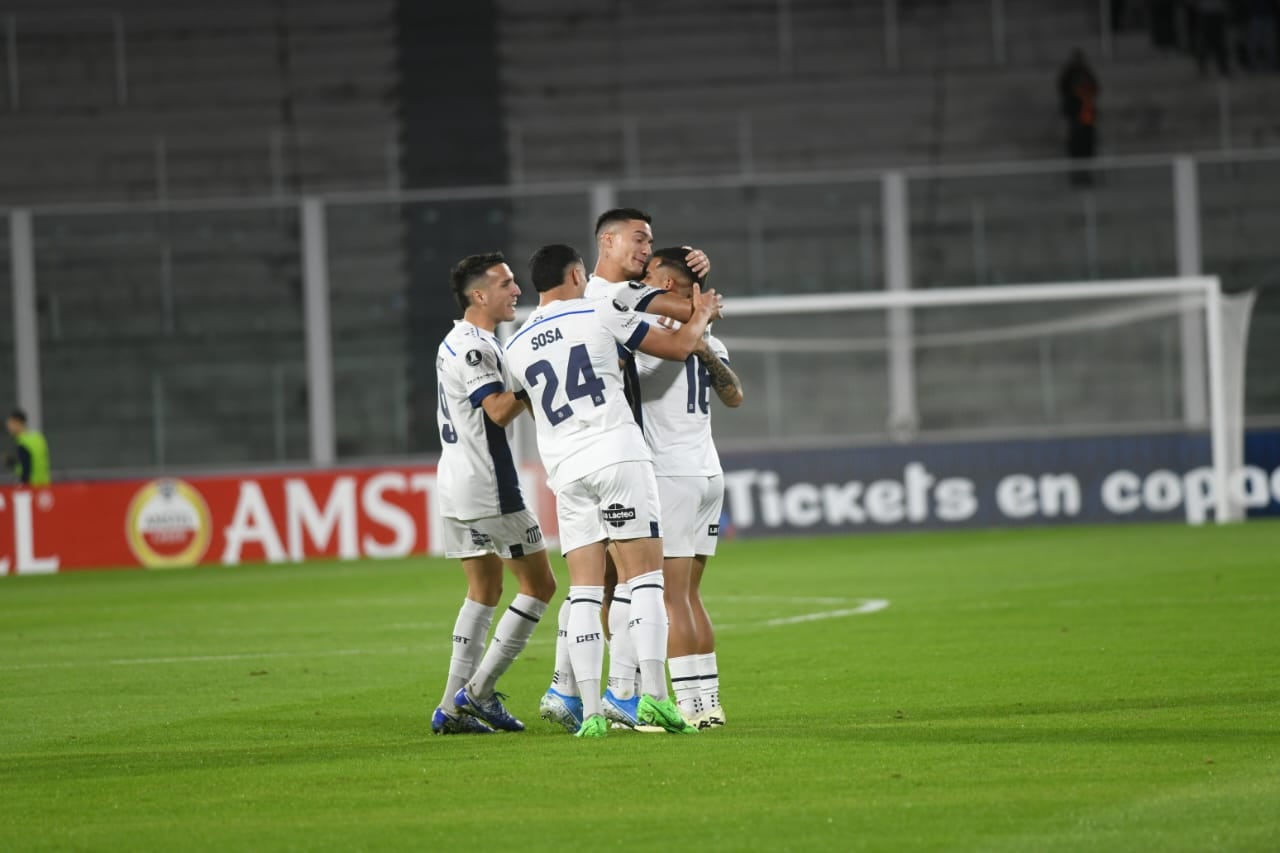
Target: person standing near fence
[
  {"x": 1078, "y": 94},
  {"x": 1212, "y": 18},
  {"x": 30, "y": 457}
]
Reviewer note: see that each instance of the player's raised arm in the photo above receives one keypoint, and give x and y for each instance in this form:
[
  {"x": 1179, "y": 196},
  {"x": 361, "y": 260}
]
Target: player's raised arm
[
  {"x": 727, "y": 385},
  {"x": 667, "y": 304},
  {"x": 680, "y": 344}
]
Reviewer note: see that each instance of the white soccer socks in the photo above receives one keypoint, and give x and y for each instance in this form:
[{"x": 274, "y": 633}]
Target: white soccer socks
[
  {"x": 586, "y": 644},
  {"x": 710, "y": 677},
  {"x": 562, "y": 680},
  {"x": 469, "y": 632},
  {"x": 687, "y": 684},
  {"x": 622, "y": 651},
  {"x": 509, "y": 639},
  {"x": 649, "y": 632}
]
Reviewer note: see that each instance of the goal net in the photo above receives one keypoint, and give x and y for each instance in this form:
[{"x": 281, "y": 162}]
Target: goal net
[
  {"x": 987, "y": 367},
  {"x": 995, "y": 363}
]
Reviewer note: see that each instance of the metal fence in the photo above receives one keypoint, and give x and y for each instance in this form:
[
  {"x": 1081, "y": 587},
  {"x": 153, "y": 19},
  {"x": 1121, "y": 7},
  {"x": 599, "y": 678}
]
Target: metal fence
[{"x": 140, "y": 332}]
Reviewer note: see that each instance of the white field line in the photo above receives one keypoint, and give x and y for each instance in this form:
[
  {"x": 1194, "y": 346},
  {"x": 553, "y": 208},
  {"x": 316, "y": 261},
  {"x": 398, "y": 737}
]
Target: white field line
[
  {"x": 786, "y": 599},
  {"x": 870, "y": 605}
]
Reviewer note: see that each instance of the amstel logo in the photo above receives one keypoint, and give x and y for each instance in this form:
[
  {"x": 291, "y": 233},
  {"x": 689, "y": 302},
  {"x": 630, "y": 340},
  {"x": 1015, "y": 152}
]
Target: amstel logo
[{"x": 168, "y": 525}]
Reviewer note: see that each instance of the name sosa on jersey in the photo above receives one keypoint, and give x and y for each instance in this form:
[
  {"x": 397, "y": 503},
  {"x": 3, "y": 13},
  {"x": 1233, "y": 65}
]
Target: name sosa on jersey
[{"x": 542, "y": 339}]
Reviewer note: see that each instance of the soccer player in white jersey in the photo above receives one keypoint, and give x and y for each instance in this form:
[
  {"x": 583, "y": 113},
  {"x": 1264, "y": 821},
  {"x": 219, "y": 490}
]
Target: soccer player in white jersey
[
  {"x": 485, "y": 520},
  {"x": 565, "y": 357},
  {"x": 624, "y": 241},
  {"x": 676, "y": 419}
]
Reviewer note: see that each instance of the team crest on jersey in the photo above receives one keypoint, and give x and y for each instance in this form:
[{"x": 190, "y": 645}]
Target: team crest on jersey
[
  {"x": 617, "y": 515},
  {"x": 474, "y": 357},
  {"x": 620, "y": 306},
  {"x": 533, "y": 535}
]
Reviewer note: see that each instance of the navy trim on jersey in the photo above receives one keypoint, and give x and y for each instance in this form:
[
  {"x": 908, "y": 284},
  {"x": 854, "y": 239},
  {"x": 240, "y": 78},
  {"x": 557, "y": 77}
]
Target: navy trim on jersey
[
  {"x": 647, "y": 298},
  {"x": 517, "y": 335},
  {"x": 637, "y": 336},
  {"x": 509, "y": 497},
  {"x": 631, "y": 388},
  {"x": 449, "y": 348},
  {"x": 478, "y": 395},
  {"x": 725, "y": 362}
]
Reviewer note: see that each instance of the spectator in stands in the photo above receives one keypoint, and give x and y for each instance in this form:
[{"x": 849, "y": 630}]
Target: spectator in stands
[
  {"x": 1118, "y": 18},
  {"x": 1260, "y": 34},
  {"x": 1163, "y": 15},
  {"x": 1191, "y": 32},
  {"x": 1212, "y": 22},
  {"x": 1078, "y": 93},
  {"x": 30, "y": 458}
]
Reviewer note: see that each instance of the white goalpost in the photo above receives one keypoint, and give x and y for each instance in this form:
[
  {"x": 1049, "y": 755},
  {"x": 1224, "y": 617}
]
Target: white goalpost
[{"x": 1158, "y": 297}]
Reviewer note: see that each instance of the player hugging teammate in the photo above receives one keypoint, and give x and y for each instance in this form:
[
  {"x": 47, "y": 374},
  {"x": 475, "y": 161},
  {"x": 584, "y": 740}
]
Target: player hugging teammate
[{"x": 621, "y": 403}]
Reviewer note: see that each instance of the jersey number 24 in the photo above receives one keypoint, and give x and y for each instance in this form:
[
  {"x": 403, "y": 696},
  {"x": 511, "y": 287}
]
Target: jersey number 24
[{"x": 580, "y": 381}]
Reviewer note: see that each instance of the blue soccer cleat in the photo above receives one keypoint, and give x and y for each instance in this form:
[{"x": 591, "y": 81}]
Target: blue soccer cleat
[
  {"x": 490, "y": 710},
  {"x": 622, "y": 711},
  {"x": 443, "y": 723},
  {"x": 562, "y": 710}
]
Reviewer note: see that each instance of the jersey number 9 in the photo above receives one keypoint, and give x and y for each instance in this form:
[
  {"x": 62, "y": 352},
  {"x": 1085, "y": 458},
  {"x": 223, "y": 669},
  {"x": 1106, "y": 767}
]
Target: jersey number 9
[{"x": 448, "y": 434}]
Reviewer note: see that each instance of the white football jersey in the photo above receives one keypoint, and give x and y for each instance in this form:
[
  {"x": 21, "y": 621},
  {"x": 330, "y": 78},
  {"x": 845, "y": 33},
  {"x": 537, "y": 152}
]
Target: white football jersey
[
  {"x": 565, "y": 357},
  {"x": 636, "y": 295},
  {"x": 476, "y": 476},
  {"x": 675, "y": 413}
]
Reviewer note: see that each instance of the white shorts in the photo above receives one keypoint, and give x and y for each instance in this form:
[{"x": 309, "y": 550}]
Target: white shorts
[
  {"x": 690, "y": 514},
  {"x": 515, "y": 534},
  {"x": 617, "y": 502}
]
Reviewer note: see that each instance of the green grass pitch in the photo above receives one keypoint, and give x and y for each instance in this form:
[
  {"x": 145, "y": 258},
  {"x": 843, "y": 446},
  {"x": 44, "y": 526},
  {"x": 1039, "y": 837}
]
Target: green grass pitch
[{"x": 1056, "y": 689}]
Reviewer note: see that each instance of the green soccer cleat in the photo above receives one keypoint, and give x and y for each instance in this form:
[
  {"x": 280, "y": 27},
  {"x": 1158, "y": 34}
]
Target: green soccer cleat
[
  {"x": 594, "y": 726},
  {"x": 664, "y": 714}
]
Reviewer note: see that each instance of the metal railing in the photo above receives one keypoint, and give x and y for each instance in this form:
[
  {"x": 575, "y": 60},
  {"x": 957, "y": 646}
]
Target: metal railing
[{"x": 230, "y": 261}]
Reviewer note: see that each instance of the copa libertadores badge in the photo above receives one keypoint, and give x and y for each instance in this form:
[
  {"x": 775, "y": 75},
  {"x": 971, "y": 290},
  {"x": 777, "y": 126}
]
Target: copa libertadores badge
[{"x": 167, "y": 525}]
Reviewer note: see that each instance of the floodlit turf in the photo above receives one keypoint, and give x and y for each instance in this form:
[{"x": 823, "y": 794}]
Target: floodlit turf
[{"x": 1099, "y": 689}]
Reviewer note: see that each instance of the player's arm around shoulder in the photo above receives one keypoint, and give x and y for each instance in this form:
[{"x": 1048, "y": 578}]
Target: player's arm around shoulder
[
  {"x": 639, "y": 296},
  {"x": 715, "y": 358},
  {"x": 680, "y": 344},
  {"x": 503, "y": 407},
  {"x": 486, "y": 384}
]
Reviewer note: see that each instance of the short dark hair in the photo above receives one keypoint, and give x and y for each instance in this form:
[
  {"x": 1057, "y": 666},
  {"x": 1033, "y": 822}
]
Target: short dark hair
[
  {"x": 673, "y": 257},
  {"x": 470, "y": 270},
  {"x": 19, "y": 416},
  {"x": 621, "y": 214},
  {"x": 548, "y": 265}
]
